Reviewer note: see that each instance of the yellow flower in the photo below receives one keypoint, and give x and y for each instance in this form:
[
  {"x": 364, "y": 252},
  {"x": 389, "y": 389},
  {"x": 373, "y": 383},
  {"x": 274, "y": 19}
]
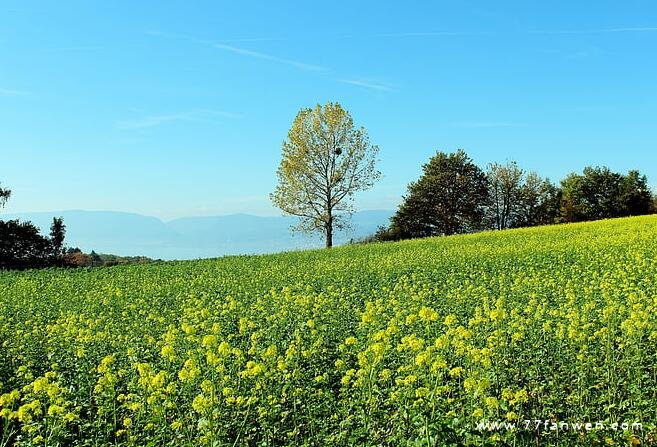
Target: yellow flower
[
  {"x": 207, "y": 386},
  {"x": 469, "y": 384},
  {"x": 69, "y": 417},
  {"x": 201, "y": 403},
  {"x": 449, "y": 320},
  {"x": 55, "y": 410},
  {"x": 491, "y": 402},
  {"x": 428, "y": 314},
  {"x": 209, "y": 341},
  {"x": 456, "y": 372},
  {"x": 158, "y": 380},
  {"x": 478, "y": 413},
  {"x": 168, "y": 352},
  {"x": 104, "y": 364}
]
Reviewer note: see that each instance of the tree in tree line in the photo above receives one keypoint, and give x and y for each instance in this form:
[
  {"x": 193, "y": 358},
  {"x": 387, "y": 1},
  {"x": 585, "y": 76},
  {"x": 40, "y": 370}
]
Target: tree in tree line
[
  {"x": 325, "y": 161},
  {"x": 57, "y": 234},
  {"x": 519, "y": 199},
  {"x": 599, "y": 193},
  {"x": 448, "y": 198},
  {"x": 504, "y": 185},
  {"x": 635, "y": 195},
  {"x": 5, "y": 194},
  {"x": 539, "y": 202},
  {"x": 21, "y": 245}
]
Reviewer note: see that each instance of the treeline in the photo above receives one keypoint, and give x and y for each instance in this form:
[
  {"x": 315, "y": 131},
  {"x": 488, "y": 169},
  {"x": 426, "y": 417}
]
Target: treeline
[
  {"x": 454, "y": 196},
  {"x": 75, "y": 257},
  {"x": 23, "y": 247}
]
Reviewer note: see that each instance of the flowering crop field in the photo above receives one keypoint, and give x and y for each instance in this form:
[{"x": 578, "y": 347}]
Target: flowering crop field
[{"x": 411, "y": 343}]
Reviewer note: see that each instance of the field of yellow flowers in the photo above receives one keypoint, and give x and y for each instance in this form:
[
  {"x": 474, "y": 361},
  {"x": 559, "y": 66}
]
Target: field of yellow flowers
[{"x": 411, "y": 343}]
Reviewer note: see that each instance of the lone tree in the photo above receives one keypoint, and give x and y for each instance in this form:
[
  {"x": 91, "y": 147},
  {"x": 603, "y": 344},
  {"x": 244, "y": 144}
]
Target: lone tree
[{"x": 325, "y": 161}]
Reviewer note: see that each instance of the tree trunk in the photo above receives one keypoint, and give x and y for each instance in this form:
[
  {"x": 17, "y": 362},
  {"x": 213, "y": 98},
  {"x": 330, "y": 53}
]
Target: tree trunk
[{"x": 329, "y": 232}]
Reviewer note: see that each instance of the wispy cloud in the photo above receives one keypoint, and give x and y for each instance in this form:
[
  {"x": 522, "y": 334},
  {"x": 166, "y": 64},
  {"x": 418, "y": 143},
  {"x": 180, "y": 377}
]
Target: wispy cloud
[
  {"x": 73, "y": 48},
  {"x": 12, "y": 92},
  {"x": 630, "y": 29},
  {"x": 636, "y": 29},
  {"x": 197, "y": 115},
  {"x": 224, "y": 45},
  {"x": 482, "y": 124},
  {"x": 368, "y": 84},
  {"x": 427, "y": 34},
  {"x": 268, "y": 57}
]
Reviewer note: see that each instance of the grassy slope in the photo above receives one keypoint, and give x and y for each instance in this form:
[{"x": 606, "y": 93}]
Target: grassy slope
[{"x": 553, "y": 322}]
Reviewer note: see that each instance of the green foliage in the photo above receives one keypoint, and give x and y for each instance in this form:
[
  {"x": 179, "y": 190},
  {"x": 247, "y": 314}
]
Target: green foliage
[
  {"x": 519, "y": 199},
  {"x": 539, "y": 202},
  {"x": 505, "y": 191},
  {"x": 600, "y": 193},
  {"x": 325, "y": 161},
  {"x": 408, "y": 343},
  {"x": 5, "y": 194},
  {"x": 57, "y": 235},
  {"x": 634, "y": 195},
  {"x": 449, "y": 198},
  {"x": 22, "y": 247}
]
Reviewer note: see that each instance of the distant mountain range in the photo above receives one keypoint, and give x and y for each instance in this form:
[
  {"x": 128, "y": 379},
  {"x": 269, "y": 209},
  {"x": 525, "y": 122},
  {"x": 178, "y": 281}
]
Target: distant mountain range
[{"x": 129, "y": 234}]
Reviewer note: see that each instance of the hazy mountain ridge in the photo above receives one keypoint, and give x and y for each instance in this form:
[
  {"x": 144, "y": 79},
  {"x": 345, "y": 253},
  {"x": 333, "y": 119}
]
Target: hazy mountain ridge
[{"x": 130, "y": 234}]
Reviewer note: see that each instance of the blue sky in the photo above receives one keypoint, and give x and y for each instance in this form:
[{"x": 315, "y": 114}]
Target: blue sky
[{"x": 175, "y": 108}]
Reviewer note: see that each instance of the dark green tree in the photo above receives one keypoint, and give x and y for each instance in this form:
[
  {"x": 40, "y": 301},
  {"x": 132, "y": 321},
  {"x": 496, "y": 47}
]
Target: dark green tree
[
  {"x": 22, "y": 247},
  {"x": 57, "y": 234},
  {"x": 599, "y": 193},
  {"x": 634, "y": 195},
  {"x": 5, "y": 194},
  {"x": 538, "y": 202},
  {"x": 590, "y": 196},
  {"x": 448, "y": 198},
  {"x": 96, "y": 260}
]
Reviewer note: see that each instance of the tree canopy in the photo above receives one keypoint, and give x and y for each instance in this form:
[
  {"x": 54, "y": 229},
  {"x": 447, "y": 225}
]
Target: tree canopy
[
  {"x": 21, "y": 245},
  {"x": 448, "y": 198},
  {"x": 325, "y": 161},
  {"x": 599, "y": 193},
  {"x": 5, "y": 194}
]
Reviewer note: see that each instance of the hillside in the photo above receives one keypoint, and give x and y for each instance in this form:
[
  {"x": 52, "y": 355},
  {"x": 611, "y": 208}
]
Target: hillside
[
  {"x": 409, "y": 343},
  {"x": 130, "y": 234}
]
